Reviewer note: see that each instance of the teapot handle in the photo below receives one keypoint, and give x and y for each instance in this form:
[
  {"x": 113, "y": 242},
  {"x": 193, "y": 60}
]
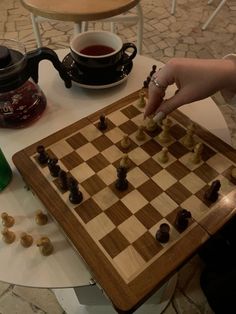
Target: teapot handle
[{"x": 44, "y": 53}]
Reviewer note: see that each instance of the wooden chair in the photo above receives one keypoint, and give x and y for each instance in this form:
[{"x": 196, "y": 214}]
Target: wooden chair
[{"x": 122, "y": 18}]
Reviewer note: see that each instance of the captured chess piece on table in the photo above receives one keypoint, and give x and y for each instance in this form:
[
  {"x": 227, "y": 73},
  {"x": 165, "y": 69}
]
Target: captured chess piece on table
[
  {"x": 41, "y": 218},
  {"x": 8, "y": 236},
  {"x": 26, "y": 240},
  {"x": 45, "y": 246},
  {"x": 7, "y": 221}
]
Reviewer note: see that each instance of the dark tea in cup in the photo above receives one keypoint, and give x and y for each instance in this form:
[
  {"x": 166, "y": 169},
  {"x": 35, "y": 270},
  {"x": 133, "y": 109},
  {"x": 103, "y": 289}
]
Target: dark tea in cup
[{"x": 97, "y": 52}]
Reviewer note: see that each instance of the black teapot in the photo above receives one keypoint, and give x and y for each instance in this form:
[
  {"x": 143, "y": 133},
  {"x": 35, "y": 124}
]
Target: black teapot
[{"x": 21, "y": 99}]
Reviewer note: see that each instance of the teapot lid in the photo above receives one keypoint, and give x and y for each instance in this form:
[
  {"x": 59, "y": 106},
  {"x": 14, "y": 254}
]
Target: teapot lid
[{"x": 8, "y": 57}]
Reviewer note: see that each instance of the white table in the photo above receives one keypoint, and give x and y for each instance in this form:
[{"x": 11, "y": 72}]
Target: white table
[{"x": 65, "y": 268}]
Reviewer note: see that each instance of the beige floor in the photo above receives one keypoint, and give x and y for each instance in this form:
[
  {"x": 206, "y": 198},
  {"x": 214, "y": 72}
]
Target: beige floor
[{"x": 165, "y": 36}]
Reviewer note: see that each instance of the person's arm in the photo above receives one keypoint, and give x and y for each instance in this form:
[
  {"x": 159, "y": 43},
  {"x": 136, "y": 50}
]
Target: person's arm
[{"x": 195, "y": 79}]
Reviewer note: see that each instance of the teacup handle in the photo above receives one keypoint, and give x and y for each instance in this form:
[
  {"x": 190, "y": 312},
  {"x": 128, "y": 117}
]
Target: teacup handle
[{"x": 133, "y": 54}]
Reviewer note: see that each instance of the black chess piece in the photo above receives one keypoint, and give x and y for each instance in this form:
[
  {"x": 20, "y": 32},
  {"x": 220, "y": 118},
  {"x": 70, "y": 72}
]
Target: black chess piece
[
  {"x": 182, "y": 219},
  {"x": 75, "y": 195},
  {"x": 145, "y": 84},
  {"x": 42, "y": 155},
  {"x": 63, "y": 180},
  {"x": 121, "y": 183},
  {"x": 102, "y": 124},
  {"x": 212, "y": 193},
  {"x": 163, "y": 234},
  {"x": 53, "y": 167}
]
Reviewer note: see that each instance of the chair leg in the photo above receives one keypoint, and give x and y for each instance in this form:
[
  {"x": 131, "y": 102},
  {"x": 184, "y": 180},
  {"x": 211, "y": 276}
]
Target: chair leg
[
  {"x": 140, "y": 28},
  {"x": 173, "y": 5},
  {"x": 36, "y": 30},
  {"x": 213, "y": 14}
]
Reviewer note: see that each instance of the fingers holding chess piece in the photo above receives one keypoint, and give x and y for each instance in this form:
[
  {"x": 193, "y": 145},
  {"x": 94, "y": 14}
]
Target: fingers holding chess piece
[
  {"x": 151, "y": 124},
  {"x": 7, "y": 221},
  {"x": 26, "y": 240},
  {"x": 45, "y": 246},
  {"x": 8, "y": 236},
  {"x": 41, "y": 218}
]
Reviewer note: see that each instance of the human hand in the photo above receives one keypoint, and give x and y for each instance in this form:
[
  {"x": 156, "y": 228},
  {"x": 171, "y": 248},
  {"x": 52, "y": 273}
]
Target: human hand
[{"x": 195, "y": 79}]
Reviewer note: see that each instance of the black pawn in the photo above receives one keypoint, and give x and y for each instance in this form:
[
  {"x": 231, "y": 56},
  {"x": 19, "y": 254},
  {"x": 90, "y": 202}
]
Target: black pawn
[
  {"x": 182, "y": 219},
  {"x": 53, "y": 167},
  {"x": 75, "y": 195},
  {"x": 42, "y": 155},
  {"x": 102, "y": 124},
  {"x": 62, "y": 180},
  {"x": 163, "y": 234},
  {"x": 212, "y": 193},
  {"x": 145, "y": 84},
  {"x": 121, "y": 183}
]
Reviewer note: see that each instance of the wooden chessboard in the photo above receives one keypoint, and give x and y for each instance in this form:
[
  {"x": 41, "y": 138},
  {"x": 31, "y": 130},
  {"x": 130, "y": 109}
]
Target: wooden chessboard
[{"x": 114, "y": 231}]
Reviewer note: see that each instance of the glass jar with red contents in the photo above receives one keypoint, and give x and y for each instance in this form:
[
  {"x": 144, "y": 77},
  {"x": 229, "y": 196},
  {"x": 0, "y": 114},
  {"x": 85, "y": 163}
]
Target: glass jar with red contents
[{"x": 21, "y": 99}]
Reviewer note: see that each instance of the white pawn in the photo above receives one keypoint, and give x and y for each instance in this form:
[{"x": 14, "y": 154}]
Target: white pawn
[
  {"x": 197, "y": 153},
  {"x": 188, "y": 139},
  {"x": 141, "y": 102},
  {"x": 140, "y": 135},
  {"x": 151, "y": 125},
  {"x": 164, "y": 136},
  {"x": 125, "y": 142},
  {"x": 125, "y": 161},
  {"x": 163, "y": 155}
]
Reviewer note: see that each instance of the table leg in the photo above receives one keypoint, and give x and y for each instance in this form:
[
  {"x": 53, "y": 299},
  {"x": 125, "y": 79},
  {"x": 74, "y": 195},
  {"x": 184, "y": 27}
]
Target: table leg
[{"x": 91, "y": 300}]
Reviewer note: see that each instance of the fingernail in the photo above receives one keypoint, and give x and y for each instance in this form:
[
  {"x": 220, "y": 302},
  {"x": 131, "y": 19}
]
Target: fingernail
[{"x": 159, "y": 117}]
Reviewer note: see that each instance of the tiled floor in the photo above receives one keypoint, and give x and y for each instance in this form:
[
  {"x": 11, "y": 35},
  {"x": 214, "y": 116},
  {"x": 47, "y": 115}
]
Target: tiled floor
[{"x": 165, "y": 36}]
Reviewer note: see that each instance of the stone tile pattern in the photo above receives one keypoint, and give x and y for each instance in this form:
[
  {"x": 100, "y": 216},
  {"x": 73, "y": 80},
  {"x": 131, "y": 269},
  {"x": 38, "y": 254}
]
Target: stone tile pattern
[{"x": 165, "y": 36}]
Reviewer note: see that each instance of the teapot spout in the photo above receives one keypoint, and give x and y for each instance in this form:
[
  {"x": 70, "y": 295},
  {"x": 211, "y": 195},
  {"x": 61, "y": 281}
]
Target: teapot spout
[{"x": 44, "y": 53}]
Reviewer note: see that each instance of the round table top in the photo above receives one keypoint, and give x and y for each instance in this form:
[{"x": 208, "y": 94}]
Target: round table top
[
  {"x": 65, "y": 268},
  {"x": 78, "y": 10}
]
